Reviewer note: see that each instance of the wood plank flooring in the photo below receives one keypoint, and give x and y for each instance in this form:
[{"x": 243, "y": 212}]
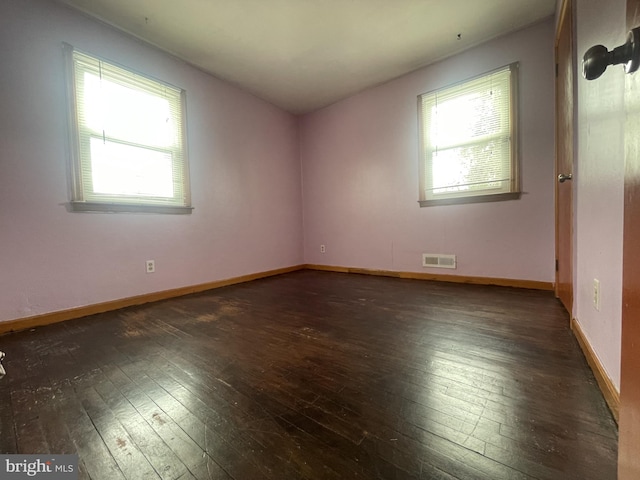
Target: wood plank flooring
[{"x": 314, "y": 375}]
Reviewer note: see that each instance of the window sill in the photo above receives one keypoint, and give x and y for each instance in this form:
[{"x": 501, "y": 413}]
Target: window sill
[
  {"x": 127, "y": 208},
  {"x": 497, "y": 197}
]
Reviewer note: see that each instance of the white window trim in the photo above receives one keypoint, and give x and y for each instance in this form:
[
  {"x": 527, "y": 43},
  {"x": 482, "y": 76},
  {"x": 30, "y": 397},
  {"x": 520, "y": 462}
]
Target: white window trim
[
  {"x": 513, "y": 191},
  {"x": 111, "y": 203}
]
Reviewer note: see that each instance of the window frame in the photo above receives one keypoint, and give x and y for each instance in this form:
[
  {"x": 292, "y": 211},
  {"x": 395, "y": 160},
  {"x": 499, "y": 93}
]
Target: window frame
[
  {"x": 131, "y": 203},
  {"x": 514, "y": 192}
]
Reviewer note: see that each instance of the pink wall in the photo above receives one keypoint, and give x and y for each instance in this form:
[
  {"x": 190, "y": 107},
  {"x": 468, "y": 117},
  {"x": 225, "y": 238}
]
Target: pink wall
[
  {"x": 245, "y": 176},
  {"x": 599, "y": 184},
  {"x": 360, "y": 175},
  {"x": 357, "y": 159}
]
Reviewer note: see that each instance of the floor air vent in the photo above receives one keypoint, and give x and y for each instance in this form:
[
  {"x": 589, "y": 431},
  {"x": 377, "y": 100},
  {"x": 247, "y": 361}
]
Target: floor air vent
[{"x": 438, "y": 260}]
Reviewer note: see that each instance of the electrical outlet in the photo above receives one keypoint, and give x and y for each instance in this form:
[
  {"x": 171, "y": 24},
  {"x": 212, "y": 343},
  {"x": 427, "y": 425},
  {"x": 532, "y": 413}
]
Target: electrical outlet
[
  {"x": 151, "y": 266},
  {"x": 596, "y": 294},
  {"x": 323, "y": 249}
]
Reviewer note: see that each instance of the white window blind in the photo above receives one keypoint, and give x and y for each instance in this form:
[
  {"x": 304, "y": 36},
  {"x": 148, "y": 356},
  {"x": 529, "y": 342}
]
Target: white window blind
[
  {"x": 129, "y": 137},
  {"x": 468, "y": 138}
]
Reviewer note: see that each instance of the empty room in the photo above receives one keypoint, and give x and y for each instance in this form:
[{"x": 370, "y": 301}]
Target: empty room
[{"x": 323, "y": 239}]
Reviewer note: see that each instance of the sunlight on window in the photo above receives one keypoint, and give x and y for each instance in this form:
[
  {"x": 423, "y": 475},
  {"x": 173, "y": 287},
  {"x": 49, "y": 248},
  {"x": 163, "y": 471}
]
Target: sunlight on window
[
  {"x": 121, "y": 169},
  {"x": 468, "y": 142},
  {"x": 127, "y": 113},
  {"x": 458, "y": 166},
  {"x": 466, "y": 117},
  {"x": 130, "y": 115},
  {"x": 129, "y": 151},
  {"x": 474, "y": 167}
]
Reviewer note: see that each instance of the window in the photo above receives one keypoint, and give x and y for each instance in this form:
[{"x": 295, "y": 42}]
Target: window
[
  {"x": 127, "y": 138},
  {"x": 468, "y": 140}
]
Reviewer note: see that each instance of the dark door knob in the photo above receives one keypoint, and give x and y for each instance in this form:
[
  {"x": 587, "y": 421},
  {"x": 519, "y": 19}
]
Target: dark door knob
[{"x": 598, "y": 58}]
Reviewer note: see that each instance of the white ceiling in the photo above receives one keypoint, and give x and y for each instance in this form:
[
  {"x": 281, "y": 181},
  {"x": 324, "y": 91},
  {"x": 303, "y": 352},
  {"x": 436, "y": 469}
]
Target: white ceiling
[{"x": 305, "y": 54}]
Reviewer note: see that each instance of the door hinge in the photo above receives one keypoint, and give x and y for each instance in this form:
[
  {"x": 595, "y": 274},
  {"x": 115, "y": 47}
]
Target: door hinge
[{"x": 556, "y": 264}]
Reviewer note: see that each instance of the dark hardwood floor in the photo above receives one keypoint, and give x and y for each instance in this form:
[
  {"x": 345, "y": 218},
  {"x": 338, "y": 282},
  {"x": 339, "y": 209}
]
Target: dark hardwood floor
[{"x": 314, "y": 375}]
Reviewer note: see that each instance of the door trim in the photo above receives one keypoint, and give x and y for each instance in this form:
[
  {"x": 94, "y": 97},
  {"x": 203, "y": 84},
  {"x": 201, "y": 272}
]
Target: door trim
[{"x": 566, "y": 9}]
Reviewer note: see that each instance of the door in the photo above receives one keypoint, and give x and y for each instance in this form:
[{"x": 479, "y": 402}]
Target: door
[
  {"x": 629, "y": 443},
  {"x": 564, "y": 158}
]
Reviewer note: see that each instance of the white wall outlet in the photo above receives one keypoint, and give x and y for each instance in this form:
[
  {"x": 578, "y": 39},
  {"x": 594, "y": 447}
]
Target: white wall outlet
[
  {"x": 596, "y": 294},
  {"x": 323, "y": 249},
  {"x": 151, "y": 266}
]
